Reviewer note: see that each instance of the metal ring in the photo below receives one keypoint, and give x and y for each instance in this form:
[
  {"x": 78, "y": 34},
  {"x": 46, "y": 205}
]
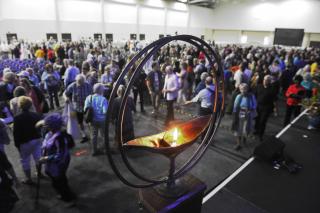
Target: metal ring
[{"x": 214, "y": 122}]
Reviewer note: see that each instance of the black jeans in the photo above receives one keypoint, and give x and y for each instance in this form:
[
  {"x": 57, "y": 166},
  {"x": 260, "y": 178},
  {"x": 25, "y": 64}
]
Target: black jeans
[
  {"x": 230, "y": 104},
  {"x": 139, "y": 92},
  {"x": 53, "y": 94},
  {"x": 261, "y": 120},
  {"x": 204, "y": 111},
  {"x": 60, "y": 184},
  {"x": 170, "y": 112},
  {"x": 295, "y": 109}
]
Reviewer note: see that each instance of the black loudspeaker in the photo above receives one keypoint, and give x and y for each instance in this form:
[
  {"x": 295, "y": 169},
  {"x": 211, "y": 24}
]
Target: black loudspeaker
[{"x": 270, "y": 150}]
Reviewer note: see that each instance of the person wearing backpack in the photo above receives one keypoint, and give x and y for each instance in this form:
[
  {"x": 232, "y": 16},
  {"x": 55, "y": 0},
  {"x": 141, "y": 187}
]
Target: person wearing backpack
[
  {"x": 56, "y": 155},
  {"x": 205, "y": 97},
  {"x": 52, "y": 85},
  {"x": 244, "y": 111},
  {"x": 98, "y": 104}
]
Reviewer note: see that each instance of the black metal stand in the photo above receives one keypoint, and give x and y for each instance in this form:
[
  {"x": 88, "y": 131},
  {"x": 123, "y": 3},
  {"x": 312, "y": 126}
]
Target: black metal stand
[{"x": 152, "y": 200}]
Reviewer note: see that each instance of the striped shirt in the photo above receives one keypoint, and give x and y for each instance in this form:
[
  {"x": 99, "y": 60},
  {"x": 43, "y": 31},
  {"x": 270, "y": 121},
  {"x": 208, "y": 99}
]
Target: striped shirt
[{"x": 78, "y": 94}]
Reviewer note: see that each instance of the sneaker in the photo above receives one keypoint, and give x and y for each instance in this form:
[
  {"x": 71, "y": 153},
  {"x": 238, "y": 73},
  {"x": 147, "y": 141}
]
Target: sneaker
[
  {"x": 237, "y": 147},
  {"x": 27, "y": 182},
  {"x": 84, "y": 140},
  {"x": 96, "y": 153},
  {"x": 310, "y": 127},
  {"x": 41, "y": 175},
  {"x": 69, "y": 204}
]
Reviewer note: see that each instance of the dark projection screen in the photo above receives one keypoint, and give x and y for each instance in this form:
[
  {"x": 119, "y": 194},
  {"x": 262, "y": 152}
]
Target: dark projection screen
[{"x": 288, "y": 37}]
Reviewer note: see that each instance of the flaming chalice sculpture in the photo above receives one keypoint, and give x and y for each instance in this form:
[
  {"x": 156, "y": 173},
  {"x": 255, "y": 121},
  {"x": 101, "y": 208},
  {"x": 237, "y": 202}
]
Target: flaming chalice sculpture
[{"x": 177, "y": 138}]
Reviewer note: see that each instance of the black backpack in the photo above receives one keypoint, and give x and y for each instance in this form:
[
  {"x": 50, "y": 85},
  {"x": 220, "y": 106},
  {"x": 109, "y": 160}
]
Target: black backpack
[
  {"x": 272, "y": 152},
  {"x": 70, "y": 142}
]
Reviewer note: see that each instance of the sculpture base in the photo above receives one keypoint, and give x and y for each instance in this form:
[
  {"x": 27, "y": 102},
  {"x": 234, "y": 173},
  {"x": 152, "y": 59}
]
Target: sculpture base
[
  {"x": 189, "y": 192},
  {"x": 172, "y": 191}
]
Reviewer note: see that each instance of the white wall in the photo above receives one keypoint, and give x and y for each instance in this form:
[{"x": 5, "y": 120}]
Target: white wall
[
  {"x": 228, "y": 22},
  {"x": 1, "y": 13},
  {"x": 28, "y": 10},
  {"x": 266, "y": 15},
  {"x": 83, "y": 18}
]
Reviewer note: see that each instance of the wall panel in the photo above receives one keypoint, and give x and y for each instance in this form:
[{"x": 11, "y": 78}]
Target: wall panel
[
  {"x": 78, "y": 10},
  {"x": 118, "y": 13},
  {"x": 177, "y": 18},
  {"x": 227, "y": 36},
  {"x": 28, "y": 9},
  {"x": 152, "y": 16}
]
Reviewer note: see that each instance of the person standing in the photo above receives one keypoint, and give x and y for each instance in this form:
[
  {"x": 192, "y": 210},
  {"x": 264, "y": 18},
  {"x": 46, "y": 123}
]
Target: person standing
[
  {"x": 170, "y": 91},
  {"x": 40, "y": 54},
  {"x": 205, "y": 97},
  {"x": 265, "y": 100},
  {"x": 183, "y": 83},
  {"x": 56, "y": 156},
  {"x": 294, "y": 95},
  {"x": 18, "y": 91},
  {"x": 27, "y": 138},
  {"x": 70, "y": 74},
  {"x": 7, "y": 86},
  {"x": 244, "y": 111},
  {"x": 52, "y": 85},
  {"x": 138, "y": 88},
  {"x": 199, "y": 69},
  {"x": 76, "y": 94},
  {"x": 37, "y": 96},
  {"x": 128, "y": 127},
  {"x": 99, "y": 105},
  {"x": 155, "y": 85}
]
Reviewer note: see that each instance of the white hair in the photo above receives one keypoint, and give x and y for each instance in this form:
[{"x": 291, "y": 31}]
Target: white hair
[
  {"x": 98, "y": 88},
  {"x": 80, "y": 79},
  {"x": 121, "y": 90}
]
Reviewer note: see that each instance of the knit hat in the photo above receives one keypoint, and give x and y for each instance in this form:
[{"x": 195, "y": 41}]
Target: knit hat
[{"x": 53, "y": 121}]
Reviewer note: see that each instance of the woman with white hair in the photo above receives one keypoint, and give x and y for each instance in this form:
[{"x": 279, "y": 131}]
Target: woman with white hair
[
  {"x": 128, "y": 128},
  {"x": 170, "y": 91},
  {"x": 76, "y": 94},
  {"x": 244, "y": 111},
  {"x": 99, "y": 104}
]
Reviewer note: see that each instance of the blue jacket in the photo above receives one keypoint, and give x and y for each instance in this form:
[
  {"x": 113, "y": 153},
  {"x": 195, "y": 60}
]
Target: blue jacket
[{"x": 99, "y": 104}]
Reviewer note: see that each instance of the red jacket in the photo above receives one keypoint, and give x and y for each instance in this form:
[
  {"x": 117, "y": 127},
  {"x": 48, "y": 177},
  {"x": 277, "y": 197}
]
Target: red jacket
[
  {"x": 50, "y": 54},
  {"x": 296, "y": 90}
]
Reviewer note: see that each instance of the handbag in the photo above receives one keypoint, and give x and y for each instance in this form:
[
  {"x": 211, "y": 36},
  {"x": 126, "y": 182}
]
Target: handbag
[
  {"x": 88, "y": 114},
  {"x": 70, "y": 120}
]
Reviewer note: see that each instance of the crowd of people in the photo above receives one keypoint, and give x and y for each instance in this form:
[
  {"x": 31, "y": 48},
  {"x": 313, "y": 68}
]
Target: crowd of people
[{"x": 79, "y": 76}]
